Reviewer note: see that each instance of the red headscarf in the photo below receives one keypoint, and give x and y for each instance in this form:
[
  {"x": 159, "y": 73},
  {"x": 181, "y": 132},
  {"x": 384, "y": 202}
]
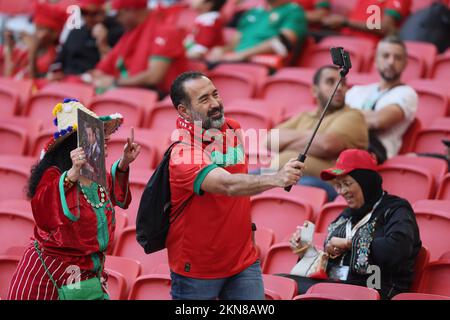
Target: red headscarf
[
  {"x": 129, "y": 4},
  {"x": 50, "y": 16}
]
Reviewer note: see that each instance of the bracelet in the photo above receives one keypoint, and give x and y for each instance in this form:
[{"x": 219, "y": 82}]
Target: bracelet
[{"x": 68, "y": 183}]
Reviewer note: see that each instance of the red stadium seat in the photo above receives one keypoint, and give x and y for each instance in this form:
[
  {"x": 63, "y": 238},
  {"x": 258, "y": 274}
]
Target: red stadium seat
[
  {"x": 16, "y": 230},
  {"x": 316, "y": 197},
  {"x": 433, "y": 218},
  {"x": 14, "y": 173},
  {"x": 280, "y": 212},
  {"x": 444, "y": 188},
  {"x": 133, "y": 103},
  {"x": 441, "y": 68},
  {"x": 420, "y": 4},
  {"x": 9, "y": 100},
  {"x": 258, "y": 71},
  {"x": 437, "y": 167},
  {"x": 361, "y": 79},
  {"x": 127, "y": 246},
  {"x": 254, "y": 113},
  {"x": 279, "y": 259},
  {"x": 144, "y": 137},
  {"x": 22, "y": 88},
  {"x": 328, "y": 214},
  {"x": 433, "y": 100},
  {"x": 436, "y": 278},
  {"x": 42, "y": 103},
  {"x": 286, "y": 288},
  {"x": 163, "y": 117},
  {"x": 131, "y": 269},
  {"x": 8, "y": 265},
  {"x": 418, "y": 296},
  {"x": 151, "y": 287},
  {"x": 421, "y": 50},
  {"x": 420, "y": 183},
  {"x": 264, "y": 239},
  {"x": 345, "y": 291},
  {"x": 318, "y": 296},
  {"x": 233, "y": 84},
  {"x": 116, "y": 285},
  {"x": 429, "y": 140},
  {"x": 19, "y": 206},
  {"x": 39, "y": 141},
  {"x": 290, "y": 86},
  {"x": 16, "y": 133},
  {"x": 422, "y": 260}
]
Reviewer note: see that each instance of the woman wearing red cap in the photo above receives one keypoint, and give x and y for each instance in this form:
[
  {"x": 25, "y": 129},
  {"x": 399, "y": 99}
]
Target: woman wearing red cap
[
  {"x": 40, "y": 50},
  {"x": 376, "y": 229}
]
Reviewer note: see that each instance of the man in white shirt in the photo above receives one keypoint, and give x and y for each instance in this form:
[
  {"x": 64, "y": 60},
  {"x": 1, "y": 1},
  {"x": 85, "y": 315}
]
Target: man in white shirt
[{"x": 389, "y": 106}]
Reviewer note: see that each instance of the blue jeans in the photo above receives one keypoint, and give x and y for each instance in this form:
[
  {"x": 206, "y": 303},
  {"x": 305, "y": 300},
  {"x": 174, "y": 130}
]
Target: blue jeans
[{"x": 246, "y": 285}]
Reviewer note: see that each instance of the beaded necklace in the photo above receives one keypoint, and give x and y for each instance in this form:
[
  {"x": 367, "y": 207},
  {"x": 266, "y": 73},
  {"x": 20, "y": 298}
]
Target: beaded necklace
[{"x": 91, "y": 195}]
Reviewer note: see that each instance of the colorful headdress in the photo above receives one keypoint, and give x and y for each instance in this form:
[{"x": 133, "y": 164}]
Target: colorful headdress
[{"x": 66, "y": 121}]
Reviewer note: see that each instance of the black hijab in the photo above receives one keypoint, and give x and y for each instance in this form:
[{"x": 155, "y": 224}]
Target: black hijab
[{"x": 371, "y": 186}]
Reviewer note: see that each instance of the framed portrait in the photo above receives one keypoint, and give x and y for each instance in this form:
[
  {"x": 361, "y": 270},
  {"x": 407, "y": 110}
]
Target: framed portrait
[{"x": 91, "y": 137}]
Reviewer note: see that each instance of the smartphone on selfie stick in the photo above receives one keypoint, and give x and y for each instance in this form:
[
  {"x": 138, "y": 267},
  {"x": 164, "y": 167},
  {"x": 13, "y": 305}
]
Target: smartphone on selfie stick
[{"x": 341, "y": 58}]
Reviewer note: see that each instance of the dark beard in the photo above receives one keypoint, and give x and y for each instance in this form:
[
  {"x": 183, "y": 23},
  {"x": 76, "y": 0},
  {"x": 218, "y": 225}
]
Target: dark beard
[{"x": 390, "y": 79}]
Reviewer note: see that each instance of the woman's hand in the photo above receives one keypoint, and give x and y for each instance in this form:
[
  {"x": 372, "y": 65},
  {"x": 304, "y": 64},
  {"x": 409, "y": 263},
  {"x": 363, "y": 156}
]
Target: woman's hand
[
  {"x": 130, "y": 152},
  {"x": 337, "y": 246},
  {"x": 78, "y": 160},
  {"x": 295, "y": 238}
]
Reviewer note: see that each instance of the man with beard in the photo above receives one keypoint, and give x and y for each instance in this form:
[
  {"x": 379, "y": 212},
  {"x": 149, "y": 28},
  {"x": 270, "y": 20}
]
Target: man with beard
[
  {"x": 389, "y": 106},
  {"x": 342, "y": 128},
  {"x": 209, "y": 244}
]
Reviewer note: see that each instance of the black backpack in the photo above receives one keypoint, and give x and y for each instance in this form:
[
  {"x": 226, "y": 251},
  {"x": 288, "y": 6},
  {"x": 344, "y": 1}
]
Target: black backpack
[
  {"x": 153, "y": 217},
  {"x": 431, "y": 24}
]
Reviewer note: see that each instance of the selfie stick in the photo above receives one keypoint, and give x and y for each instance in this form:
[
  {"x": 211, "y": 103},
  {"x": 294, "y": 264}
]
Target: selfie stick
[{"x": 340, "y": 58}]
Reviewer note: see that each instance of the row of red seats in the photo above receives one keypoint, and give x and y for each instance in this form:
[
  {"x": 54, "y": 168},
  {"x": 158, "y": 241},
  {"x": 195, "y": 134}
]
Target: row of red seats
[
  {"x": 433, "y": 217},
  {"x": 126, "y": 281}
]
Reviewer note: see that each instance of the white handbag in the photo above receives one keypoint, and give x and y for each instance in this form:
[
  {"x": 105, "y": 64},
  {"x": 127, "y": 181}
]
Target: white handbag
[{"x": 313, "y": 262}]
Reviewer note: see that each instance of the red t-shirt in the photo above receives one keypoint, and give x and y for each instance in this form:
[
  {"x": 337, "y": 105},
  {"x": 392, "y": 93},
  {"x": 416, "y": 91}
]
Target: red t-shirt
[
  {"x": 398, "y": 9},
  {"x": 208, "y": 30},
  {"x": 150, "y": 40},
  {"x": 212, "y": 237}
]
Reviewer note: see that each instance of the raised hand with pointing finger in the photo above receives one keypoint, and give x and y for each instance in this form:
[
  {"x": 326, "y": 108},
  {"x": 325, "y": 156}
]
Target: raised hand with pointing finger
[{"x": 131, "y": 151}]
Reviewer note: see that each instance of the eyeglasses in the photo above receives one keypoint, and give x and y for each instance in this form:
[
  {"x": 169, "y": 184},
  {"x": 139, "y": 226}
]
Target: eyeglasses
[{"x": 344, "y": 184}]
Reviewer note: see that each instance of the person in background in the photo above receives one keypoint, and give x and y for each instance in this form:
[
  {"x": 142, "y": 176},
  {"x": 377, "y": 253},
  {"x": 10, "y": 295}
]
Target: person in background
[
  {"x": 315, "y": 10},
  {"x": 150, "y": 54},
  {"x": 279, "y": 28},
  {"x": 209, "y": 243},
  {"x": 207, "y": 31},
  {"x": 389, "y": 106},
  {"x": 84, "y": 47},
  {"x": 376, "y": 229},
  {"x": 74, "y": 216},
  {"x": 390, "y": 14},
  {"x": 34, "y": 60},
  {"x": 342, "y": 128}
]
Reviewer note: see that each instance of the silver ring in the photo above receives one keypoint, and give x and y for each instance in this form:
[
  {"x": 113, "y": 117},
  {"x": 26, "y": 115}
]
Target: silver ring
[{"x": 80, "y": 157}]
